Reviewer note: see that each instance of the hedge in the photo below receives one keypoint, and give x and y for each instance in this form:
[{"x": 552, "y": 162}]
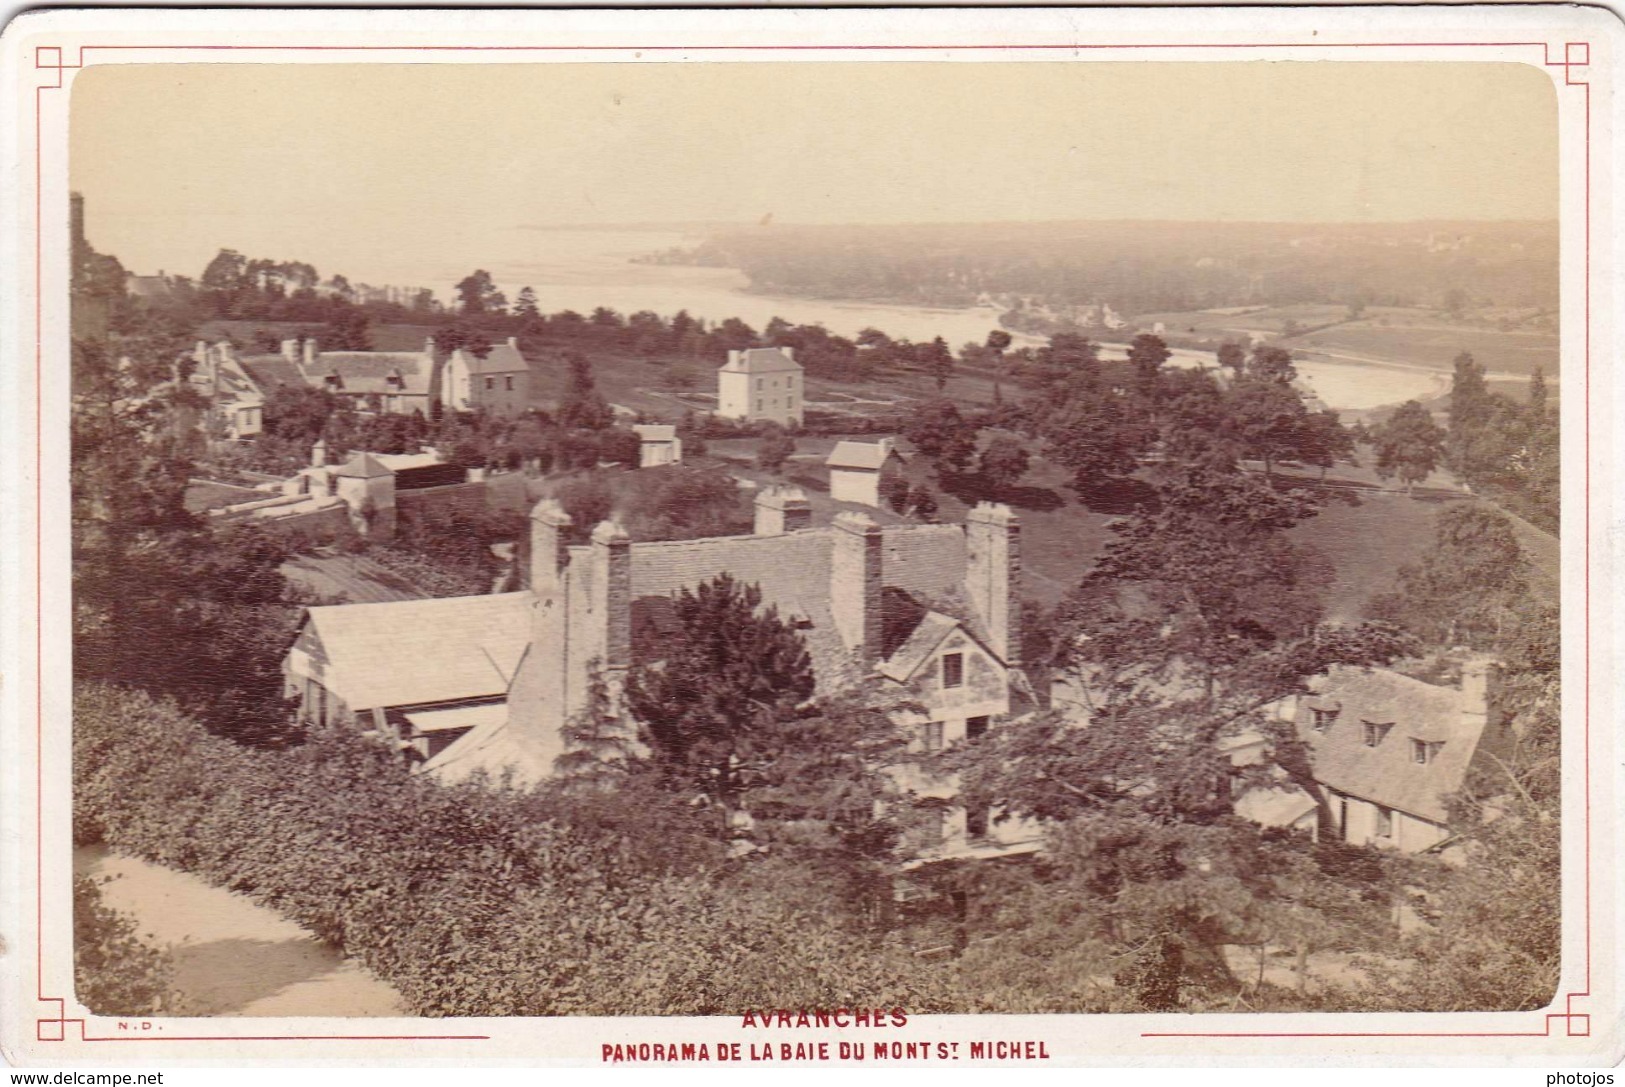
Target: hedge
[{"x": 472, "y": 899}]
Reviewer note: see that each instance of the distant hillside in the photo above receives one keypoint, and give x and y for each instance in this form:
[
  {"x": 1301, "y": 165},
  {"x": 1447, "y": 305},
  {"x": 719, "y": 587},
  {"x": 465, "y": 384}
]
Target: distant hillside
[{"x": 1147, "y": 267}]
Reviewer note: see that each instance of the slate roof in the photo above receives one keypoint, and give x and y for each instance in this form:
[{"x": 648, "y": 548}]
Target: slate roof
[
  {"x": 414, "y": 652},
  {"x": 271, "y": 371},
  {"x": 503, "y": 359},
  {"x": 867, "y": 455},
  {"x": 760, "y": 360},
  {"x": 1388, "y": 774},
  {"x": 363, "y": 372},
  {"x": 793, "y": 571}
]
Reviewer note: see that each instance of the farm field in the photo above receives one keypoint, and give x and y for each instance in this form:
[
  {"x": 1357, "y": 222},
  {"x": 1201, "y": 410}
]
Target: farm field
[{"x": 1410, "y": 337}]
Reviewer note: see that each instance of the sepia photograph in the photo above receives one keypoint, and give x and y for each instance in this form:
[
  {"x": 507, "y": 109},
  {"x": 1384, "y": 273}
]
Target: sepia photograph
[{"x": 833, "y": 542}]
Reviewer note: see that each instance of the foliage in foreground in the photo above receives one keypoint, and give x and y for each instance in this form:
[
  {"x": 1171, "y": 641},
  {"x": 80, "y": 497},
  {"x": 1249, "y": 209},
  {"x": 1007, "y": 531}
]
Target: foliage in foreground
[
  {"x": 114, "y": 973},
  {"x": 472, "y": 900}
]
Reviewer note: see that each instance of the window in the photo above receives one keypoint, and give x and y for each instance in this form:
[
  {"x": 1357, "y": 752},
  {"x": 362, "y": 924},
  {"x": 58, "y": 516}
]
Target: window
[
  {"x": 975, "y": 727},
  {"x": 758, "y": 405},
  {"x": 490, "y": 383},
  {"x": 1374, "y": 733},
  {"x": 1385, "y": 823},
  {"x": 976, "y": 822},
  {"x": 759, "y": 384},
  {"x": 510, "y": 382},
  {"x": 933, "y": 736},
  {"x": 953, "y": 670},
  {"x": 1424, "y": 752},
  {"x": 1322, "y": 719}
]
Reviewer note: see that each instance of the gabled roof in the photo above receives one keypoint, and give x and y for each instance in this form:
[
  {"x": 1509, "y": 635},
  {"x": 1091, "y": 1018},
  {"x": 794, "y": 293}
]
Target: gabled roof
[
  {"x": 934, "y": 628},
  {"x": 503, "y": 358},
  {"x": 363, "y": 466},
  {"x": 870, "y": 455},
  {"x": 759, "y": 360},
  {"x": 416, "y": 652},
  {"x": 1388, "y": 774}
]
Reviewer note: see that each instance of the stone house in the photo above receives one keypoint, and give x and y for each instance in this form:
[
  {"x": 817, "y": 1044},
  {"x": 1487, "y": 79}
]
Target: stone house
[
  {"x": 397, "y": 382},
  {"x": 1388, "y": 749},
  {"x": 858, "y": 471},
  {"x": 761, "y": 385},
  {"x": 236, "y": 404},
  {"x": 930, "y": 613},
  {"x": 499, "y": 383}
]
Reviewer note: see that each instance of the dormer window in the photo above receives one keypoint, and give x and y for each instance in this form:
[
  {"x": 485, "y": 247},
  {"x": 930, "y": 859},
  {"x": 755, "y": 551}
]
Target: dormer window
[
  {"x": 334, "y": 381},
  {"x": 953, "y": 670},
  {"x": 394, "y": 380},
  {"x": 1321, "y": 718},
  {"x": 1375, "y": 733},
  {"x": 1425, "y": 751}
]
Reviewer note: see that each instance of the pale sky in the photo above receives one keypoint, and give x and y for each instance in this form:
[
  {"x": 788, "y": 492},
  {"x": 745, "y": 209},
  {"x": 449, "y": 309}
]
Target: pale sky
[{"x": 327, "y": 163}]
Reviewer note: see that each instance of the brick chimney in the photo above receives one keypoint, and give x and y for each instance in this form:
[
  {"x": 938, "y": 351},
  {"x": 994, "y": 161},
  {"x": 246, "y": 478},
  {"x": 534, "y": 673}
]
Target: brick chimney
[
  {"x": 549, "y": 542},
  {"x": 993, "y": 575},
  {"x": 855, "y": 583},
  {"x": 782, "y": 509},
  {"x": 611, "y": 598}
]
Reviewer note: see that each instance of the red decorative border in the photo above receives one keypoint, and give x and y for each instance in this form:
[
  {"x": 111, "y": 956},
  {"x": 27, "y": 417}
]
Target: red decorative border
[{"x": 1575, "y": 55}]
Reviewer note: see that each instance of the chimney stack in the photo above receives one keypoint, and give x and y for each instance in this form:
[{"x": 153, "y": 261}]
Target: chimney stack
[
  {"x": 318, "y": 454},
  {"x": 782, "y": 509},
  {"x": 549, "y": 543},
  {"x": 310, "y": 354},
  {"x": 855, "y": 583},
  {"x": 993, "y": 575},
  {"x": 290, "y": 351},
  {"x": 611, "y": 598}
]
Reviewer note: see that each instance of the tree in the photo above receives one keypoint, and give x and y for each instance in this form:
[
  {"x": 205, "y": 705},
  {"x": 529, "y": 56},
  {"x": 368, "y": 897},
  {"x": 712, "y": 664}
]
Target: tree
[
  {"x": 582, "y": 407},
  {"x": 525, "y": 307},
  {"x": 943, "y": 436},
  {"x": 776, "y": 447},
  {"x": 1468, "y": 419},
  {"x": 998, "y": 342},
  {"x": 600, "y": 747},
  {"x": 1408, "y": 444},
  {"x": 1146, "y": 355},
  {"x": 938, "y": 361},
  {"x": 348, "y": 332},
  {"x": 1469, "y": 584},
  {"x": 1323, "y": 441},
  {"x": 1003, "y": 461},
  {"x": 729, "y": 671},
  {"x": 225, "y": 272},
  {"x": 1269, "y": 419},
  {"x": 477, "y": 294}
]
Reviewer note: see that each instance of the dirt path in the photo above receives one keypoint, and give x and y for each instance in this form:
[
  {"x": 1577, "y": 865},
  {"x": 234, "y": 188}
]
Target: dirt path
[{"x": 232, "y": 957}]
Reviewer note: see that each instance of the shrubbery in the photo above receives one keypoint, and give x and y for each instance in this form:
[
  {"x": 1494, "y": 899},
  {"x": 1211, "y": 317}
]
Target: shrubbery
[
  {"x": 472, "y": 900},
  {"x": 114, "y": 973}
]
